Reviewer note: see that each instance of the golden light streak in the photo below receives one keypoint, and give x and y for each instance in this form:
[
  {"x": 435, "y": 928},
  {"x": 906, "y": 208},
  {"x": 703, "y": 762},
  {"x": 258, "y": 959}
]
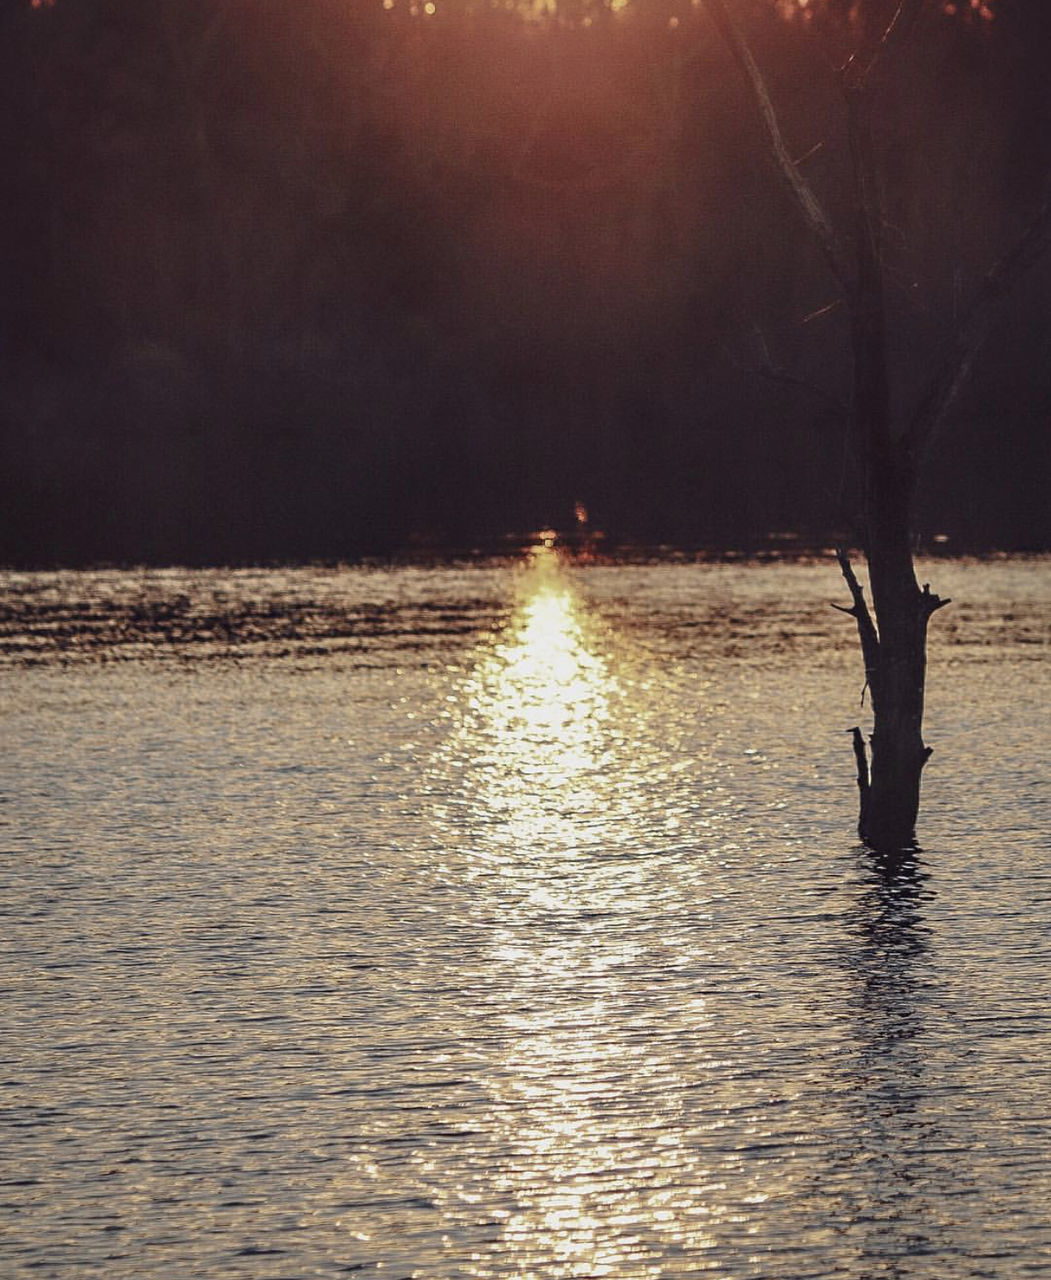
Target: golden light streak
[{"x": 537, "y": 708}]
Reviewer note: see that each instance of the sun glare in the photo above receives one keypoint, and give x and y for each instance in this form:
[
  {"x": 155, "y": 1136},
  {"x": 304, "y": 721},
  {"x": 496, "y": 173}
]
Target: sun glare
[
  {"x": 555, "y": 809},
  {"x": 536, "y": 707}
]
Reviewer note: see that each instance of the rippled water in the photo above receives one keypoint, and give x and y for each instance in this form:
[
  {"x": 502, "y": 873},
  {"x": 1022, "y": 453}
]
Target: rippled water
[{"x": 504, "y": 920}]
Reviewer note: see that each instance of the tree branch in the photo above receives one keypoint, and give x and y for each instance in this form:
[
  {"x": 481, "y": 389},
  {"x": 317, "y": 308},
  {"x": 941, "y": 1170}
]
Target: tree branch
[
  {"x": 801, "y": 191},
  {"x": 867, "y": 64},
  {"x": 930, "y": 603},
  {"x": 861, "y": 615},
  {"x": 952, "y": 373},
  {"x": 861, "y": 760}
]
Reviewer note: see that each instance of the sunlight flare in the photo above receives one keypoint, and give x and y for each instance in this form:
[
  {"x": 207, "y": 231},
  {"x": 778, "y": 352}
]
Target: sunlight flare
[{"x": 538, "y": 707}]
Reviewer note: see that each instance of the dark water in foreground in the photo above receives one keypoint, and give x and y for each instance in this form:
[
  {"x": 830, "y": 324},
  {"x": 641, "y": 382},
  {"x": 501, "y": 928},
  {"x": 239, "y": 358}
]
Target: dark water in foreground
[{"x": 505, "y": 921}]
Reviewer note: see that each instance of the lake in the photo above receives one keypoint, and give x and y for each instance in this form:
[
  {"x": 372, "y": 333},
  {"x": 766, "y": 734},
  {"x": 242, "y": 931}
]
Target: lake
[{"x": 505, "y": 919}]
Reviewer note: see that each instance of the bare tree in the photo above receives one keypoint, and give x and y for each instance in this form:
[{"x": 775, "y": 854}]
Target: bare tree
[{"x": 888, "y": 444}]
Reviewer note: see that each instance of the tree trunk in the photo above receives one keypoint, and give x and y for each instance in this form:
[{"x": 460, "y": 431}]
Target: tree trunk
[
  {"x": 896, "y": 665},
  {"x": 890, "y": 801},
  {"x": 894, "y": 648}
]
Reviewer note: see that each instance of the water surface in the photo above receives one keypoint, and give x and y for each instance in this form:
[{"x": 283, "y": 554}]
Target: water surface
[{"x": 504, "y": 920}]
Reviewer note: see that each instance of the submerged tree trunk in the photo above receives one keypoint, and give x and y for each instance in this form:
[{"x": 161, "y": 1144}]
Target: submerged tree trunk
[
  {"x": 894, "y": 647},
  {"x": 888, "y": 812},
  {"x": 894, "y": 634}
]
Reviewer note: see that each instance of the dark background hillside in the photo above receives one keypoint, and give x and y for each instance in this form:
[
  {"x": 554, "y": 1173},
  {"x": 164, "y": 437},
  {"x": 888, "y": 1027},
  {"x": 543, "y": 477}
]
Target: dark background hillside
[{"x": 323, "y": 279}]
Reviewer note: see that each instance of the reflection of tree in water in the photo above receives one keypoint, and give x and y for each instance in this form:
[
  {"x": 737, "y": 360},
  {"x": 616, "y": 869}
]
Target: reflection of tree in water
[
  {"x": 888, "y": 1168},
  {"x": 888, "y": 957}
]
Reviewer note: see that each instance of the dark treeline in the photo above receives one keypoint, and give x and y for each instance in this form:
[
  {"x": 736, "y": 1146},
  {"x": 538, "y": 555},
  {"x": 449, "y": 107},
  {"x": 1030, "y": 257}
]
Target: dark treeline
[{"x": 323, "y": 278}]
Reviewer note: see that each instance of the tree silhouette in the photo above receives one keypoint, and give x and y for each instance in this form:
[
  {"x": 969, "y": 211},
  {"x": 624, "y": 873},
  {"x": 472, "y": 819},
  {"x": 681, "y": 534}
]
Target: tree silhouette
[{"x": 889, "y": 443}]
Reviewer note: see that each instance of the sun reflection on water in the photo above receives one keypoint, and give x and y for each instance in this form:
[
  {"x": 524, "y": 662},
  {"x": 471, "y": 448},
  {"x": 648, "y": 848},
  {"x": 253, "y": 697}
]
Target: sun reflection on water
[
  {"x": 537, "y": 715},
  {"x": 563, "y": 788}
]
